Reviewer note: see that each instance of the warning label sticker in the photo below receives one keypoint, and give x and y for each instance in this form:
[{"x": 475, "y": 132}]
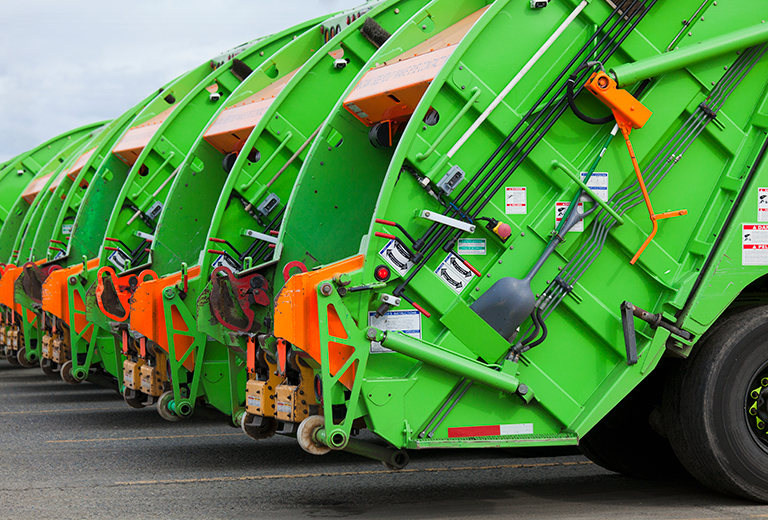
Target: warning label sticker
[
  {"x": 406, "y": 321},
  {"x": 515, "y": 200},
  {"x": 397, "y": 257},
  {"x": 66, "y": 229},
  {"x": 598, "y": 183},
  {"x": 762, "y": 204},
  {"x": 454, "y": 273},
  {"x": 119, "y": 258},
  {"x": 471, "y": 246},
  {"x": 226, "y": 262},
  {"x": 754, "y": 244},
  {"x": 561, "y": 207},
  {"x": 252, "y": 400}
]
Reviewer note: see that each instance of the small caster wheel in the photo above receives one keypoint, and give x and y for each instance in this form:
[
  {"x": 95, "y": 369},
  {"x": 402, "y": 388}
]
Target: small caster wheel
[
  {"x": 306, "y": 435},
  {"x": 163, "y": 407},
  {"x": 67, "y": 375},
  {"x": 133, "y": 398},
  {"x": 10, "y": 355},
  {"x": 398, "y": 461},
  {"x": 47, "y": 366},
  {"x": 258, "y": 427},
  {"x": 24, "y": 361}
]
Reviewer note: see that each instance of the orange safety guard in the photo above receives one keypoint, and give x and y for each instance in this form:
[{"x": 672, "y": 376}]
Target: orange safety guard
[
  {"x": 78, "y": 166},
  {"x": 393, "y": 89},
  {"x": 148, "y": 315},
  {"x": 121, "y": 286},
  {"x": 136, "y": 138},
  {"x": 630, "y": 114},
  {"x": 35, "y": 187},
  {"x": 236, "y": 123},
  {"x": 7, "y": 283},
  {"x": 296, "y": 316},
  {"x": 55, "y": 298}
]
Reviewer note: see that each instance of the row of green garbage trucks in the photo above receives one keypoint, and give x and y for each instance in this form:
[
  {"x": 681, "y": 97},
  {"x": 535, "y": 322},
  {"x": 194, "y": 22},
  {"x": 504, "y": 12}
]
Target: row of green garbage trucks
[{"x": 452, "y": 223}]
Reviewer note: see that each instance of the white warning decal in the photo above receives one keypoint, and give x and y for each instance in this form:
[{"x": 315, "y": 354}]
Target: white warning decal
[
  {"x": 397, "y": 257},
  {"x": 754, "y": 244},
  {"x": 561, "y": 207},
  {"x": 762, "y": 204},
  {"x": 226, "y": 262},
  {"x": 598, "y": 183},
  {"x": 119, "y": 258},
  {"x": 454, "y": 273},
  {"x": 515, "y": 200},
  {"x": 406, "y": 321}
]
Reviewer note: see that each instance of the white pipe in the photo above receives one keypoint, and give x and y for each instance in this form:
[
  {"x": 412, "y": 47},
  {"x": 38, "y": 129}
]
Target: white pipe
[{"x": 517, "y": 78}]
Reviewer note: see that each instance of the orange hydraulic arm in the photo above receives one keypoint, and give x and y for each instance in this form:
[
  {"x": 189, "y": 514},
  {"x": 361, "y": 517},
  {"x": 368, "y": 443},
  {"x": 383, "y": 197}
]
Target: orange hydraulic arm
[{"x": 629, "y": 114}]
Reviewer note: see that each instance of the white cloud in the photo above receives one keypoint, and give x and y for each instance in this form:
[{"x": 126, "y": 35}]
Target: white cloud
[{"x": 67, "y": 64}]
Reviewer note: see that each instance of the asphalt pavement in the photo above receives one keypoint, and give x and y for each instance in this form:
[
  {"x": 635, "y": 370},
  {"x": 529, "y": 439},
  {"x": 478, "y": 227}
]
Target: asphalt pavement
[{"x": 81, "y": 452}]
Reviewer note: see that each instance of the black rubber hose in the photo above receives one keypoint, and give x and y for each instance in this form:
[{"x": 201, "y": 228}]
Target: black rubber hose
[
  {"x": 572, "y": 102},
  {"x": 543, "y": 330}
]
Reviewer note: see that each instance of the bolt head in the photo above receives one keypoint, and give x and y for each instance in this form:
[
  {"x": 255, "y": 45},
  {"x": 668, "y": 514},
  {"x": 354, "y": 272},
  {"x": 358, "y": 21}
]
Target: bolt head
[{"x": 326, "y": 289}]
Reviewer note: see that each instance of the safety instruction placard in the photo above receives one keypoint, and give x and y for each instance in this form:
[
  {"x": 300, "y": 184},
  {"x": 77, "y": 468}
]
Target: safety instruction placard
[
  {"x": 224, "y": 260},
  {"x": 754, "y": 244},
  {"x": 598, "y": 183},
  {"x": 66, "y": 229},
  {"x": 471, "y": 246},
  {"x": 515, "y": 200},
  {"x": 397, "y": 257},
  {"x": 405, "y": 321},
  {"x": 454, "y": 273},
  {"x": 762, "y": 204},
  {"x": 119, "y": 258},
  {"x": 560, "y": 209}
]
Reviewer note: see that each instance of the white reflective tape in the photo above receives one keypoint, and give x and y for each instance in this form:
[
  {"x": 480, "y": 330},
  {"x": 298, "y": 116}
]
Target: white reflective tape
[{"x": 517, "y": 429}]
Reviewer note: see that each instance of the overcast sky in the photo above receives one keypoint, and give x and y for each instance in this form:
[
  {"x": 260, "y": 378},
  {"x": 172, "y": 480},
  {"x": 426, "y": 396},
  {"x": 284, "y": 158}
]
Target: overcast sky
[{"x": 64, "y": 64}]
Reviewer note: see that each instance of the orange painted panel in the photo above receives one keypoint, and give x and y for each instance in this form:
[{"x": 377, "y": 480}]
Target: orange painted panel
[
  {"x": 394, "y": 89},
  {"x": 73, "y": 172},
  {"x": 296, "y": 315},
  {"x": 147, "y": 315},
  {"x": 236, "y": 123},
  {"x": 136, "y": 138},
  {"x": 35, "y": 187},
  {"x": 55, "y": 299},
  {"x": 7, "y": 282}
]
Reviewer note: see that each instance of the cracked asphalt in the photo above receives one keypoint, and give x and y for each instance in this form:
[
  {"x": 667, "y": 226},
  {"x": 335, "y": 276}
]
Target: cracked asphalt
[{"x": 81, "y": 452}]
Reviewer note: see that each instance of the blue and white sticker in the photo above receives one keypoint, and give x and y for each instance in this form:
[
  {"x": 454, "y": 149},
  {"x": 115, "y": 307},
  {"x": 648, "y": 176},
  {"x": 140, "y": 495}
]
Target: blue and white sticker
[
  {"x": 119, "y": 258},
  {"x": 224, "y": 260},
  {"x": 454, "y": 273},
  {"x": 397, "y": 257},
  {"x": 406, "y": 321},
  {"x": 66, "y": 229},
  {"x": 598, "y": 183},
  {"x": 471, "y": 246}
]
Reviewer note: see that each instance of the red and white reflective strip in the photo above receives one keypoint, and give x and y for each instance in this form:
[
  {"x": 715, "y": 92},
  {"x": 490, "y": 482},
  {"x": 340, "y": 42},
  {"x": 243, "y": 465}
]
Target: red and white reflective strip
[{"x": 490, "y": 431}]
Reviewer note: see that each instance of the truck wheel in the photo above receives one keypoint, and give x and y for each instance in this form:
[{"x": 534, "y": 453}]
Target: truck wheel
[
  {"x": 717, "y": 407},
  {"x": 625, "y": 441}
]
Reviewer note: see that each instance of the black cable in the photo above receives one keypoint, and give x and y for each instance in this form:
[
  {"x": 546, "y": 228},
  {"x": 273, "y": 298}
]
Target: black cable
[{"x": 572, "y": 102}]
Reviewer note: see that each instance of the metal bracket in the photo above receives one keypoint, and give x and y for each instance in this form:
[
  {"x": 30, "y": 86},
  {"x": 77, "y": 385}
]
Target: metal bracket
[
  {"x": 628, "y": 324},
  {"x": 448, "y": 221}
]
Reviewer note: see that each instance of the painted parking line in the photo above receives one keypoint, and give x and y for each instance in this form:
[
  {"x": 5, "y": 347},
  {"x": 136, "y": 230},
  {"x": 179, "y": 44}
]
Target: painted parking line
[
  {"x": 145, "y": 437},
  {"x": 350, "y": 473}
]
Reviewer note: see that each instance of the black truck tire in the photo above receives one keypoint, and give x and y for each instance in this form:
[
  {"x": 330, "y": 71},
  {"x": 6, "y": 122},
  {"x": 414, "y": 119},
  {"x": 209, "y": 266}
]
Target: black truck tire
[
  {"x": 708, "y": 402},
  {"x": 625, "y": 442}
]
